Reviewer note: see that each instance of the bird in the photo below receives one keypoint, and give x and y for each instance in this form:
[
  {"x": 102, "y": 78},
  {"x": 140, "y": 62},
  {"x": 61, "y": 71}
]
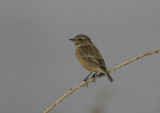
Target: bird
[{"x": 89, "y": 56}]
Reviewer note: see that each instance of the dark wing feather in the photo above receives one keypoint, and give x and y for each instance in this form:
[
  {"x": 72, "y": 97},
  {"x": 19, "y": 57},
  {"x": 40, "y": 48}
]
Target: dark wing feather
[{"x": 90, "y": 52}]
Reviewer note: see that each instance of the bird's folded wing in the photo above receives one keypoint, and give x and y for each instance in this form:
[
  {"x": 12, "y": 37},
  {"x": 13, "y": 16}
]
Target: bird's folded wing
[{"x": 95, "y": 61}]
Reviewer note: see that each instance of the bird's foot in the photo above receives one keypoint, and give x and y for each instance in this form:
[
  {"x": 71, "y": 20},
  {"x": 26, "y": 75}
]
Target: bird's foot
[
  {"x": 86, "y": 81},
  {"x": 94, "y": 80}
]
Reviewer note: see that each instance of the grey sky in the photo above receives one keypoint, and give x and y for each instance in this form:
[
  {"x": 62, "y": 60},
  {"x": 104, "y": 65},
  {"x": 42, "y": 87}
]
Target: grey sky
[{"x": 38, "y": 64}]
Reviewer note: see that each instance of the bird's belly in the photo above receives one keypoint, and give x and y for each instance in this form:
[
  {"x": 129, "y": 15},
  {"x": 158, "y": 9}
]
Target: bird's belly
[{"x": 87, "y": 64}]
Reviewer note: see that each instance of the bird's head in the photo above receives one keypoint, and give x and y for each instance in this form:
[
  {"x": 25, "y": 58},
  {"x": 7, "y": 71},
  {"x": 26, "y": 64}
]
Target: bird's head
[{"x": 81, "y": 39}]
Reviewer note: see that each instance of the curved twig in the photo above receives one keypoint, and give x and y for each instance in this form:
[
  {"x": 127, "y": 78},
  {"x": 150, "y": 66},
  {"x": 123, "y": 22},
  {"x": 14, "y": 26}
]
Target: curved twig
[{"x": 98, "y": 76}]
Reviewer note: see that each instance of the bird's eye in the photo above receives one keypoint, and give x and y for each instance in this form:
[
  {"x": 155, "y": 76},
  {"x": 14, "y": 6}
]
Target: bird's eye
[{"x": 80, "y": 39}]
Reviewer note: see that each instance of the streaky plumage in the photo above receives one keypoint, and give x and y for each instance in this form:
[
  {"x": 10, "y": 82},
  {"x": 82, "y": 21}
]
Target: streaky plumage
[{"x": 89, "y": 56}]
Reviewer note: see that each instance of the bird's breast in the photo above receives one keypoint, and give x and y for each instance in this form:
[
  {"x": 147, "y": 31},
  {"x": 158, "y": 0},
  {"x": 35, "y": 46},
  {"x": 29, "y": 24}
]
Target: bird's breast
[{"x": 84, "y": 62}]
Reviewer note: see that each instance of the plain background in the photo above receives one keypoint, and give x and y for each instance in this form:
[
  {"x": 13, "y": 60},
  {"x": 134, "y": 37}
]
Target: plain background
[{"x": 38, "y": 63}]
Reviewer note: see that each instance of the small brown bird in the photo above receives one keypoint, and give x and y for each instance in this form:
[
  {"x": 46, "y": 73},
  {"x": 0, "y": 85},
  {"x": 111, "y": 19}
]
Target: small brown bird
[{"x": 89, "y": 56}]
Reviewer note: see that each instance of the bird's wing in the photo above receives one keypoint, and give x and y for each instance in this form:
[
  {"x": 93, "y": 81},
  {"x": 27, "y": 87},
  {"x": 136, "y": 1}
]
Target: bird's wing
[{"x": 92, "y": 54}]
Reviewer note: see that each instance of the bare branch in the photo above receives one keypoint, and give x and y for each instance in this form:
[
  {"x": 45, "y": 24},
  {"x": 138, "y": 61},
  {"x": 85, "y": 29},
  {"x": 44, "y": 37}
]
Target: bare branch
[{"x": 98, "y": 76}]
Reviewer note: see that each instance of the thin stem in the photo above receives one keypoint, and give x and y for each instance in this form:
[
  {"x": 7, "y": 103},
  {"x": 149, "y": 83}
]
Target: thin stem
[{"x": 97, "y": 76}]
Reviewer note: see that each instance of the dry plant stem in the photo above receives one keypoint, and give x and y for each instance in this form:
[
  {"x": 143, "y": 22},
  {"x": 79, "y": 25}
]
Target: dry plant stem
[{"x": 99, "y": 75}]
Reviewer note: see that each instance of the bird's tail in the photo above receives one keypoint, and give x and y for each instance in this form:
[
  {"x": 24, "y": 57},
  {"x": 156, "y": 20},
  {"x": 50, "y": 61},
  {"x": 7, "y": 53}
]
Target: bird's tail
[{"x": 108, "y": 76}]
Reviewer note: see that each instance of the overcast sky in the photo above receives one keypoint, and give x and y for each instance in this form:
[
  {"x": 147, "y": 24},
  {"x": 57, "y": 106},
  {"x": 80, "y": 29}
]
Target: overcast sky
[{"x": 38, "y": 63}]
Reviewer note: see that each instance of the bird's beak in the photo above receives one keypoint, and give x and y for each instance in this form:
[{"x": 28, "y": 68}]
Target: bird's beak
[{"x": 72, "y": 39}]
